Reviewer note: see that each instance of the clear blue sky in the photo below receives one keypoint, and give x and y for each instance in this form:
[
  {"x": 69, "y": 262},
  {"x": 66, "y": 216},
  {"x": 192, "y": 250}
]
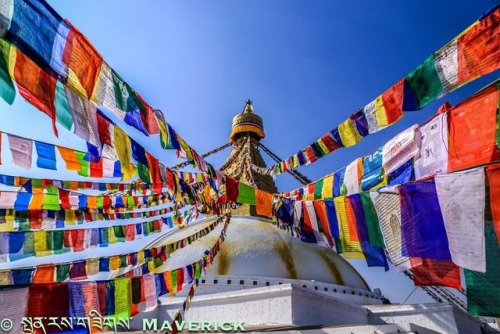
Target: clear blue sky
[{"x": 307, "y": 65}]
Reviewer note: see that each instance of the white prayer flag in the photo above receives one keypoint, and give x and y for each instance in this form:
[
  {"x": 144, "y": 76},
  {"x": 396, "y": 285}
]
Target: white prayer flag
[{"x": 462, "y": 202}]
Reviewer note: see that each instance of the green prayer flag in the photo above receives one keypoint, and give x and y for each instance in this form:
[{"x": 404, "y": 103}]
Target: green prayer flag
[
  {"x": 130, "y": 202},
  {"x": 57, "y": 241},
  {"x": 425, "y": 82},
  {"x": 63, "y": 111},
  {"x": 7, "y": 90},
  {"x": 174, "y": 281},
  {"x": 51, "y": 202},
  {"x": 123, "y": 261},
  {"x": 143, "y": 172},
  {"x": 483, "y": 289},
  {"x": 123, "y": 298},
  {"x": 246, "y": 194},
  {"x": 29, "y": 242},
  {"x": 197, "y": 271},
  {"x": 119, "y": 233},
  {"x": 62, "y": 272},
  {"x": 318, "y": 190},
  {"x": 85, "y": 164},
  {"x": 49, "y": 240},
  {"x": 100, "y": 202},
  {"x": 372, "y": 223}
]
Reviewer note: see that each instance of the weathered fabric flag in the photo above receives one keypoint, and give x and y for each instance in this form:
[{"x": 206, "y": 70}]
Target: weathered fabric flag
[
  {"x": 432, "y": 157},
  {"x": 388, "y": 208},
  {"x": 351, "y": 177},
  {"x": 263, "y": 203},
  {"x": 22, "y": 150},
  {"x": 399, "y": 149},
  {"x": 462, "y": 202}
]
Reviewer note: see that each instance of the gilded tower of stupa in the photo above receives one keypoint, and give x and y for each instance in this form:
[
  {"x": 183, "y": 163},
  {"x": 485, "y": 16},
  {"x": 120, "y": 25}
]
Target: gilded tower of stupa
[{"x": 246, "y": 133}]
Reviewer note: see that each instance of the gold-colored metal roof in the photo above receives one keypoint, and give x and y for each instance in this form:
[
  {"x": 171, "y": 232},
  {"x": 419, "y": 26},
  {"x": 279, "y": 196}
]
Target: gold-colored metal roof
[{"x": 247, "y": 121}]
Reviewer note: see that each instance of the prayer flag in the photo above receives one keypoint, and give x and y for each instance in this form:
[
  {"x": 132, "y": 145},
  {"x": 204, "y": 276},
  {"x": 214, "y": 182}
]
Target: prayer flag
[
  {"x": 7, "y": 90},
  {"x": 462, "y": 202},
  {"x": 473, "y": 126},
  {"x": 388, "y": 208},
  {"x": 399, "y": 149},
  {"x": 422, "y": 223},
  {"x": 436, "y": 273},
  {"x": 432, "y": 157},
  {"x": 478, "y": 52},
  {"x": 483, "y": 289},
  {"x": 493, "y": 173},
  {"x": 263, "y": 203},
  {"x": 21, "y": 149},
  {"x": 46, "y": 155},
  {"x": 122, "y": 145},
  {"x": 246, "y": 194},
  {"x": 425, "y": 82}
]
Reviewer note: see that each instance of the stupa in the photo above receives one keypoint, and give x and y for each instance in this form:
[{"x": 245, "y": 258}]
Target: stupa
[{"x": 270, "y": 280}]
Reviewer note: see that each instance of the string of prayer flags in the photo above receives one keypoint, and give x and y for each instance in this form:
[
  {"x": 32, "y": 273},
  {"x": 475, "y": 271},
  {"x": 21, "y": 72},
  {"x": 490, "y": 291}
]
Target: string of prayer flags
[
  {"x": 470, "y": 55},
  {"x": 462, "y": 202}
]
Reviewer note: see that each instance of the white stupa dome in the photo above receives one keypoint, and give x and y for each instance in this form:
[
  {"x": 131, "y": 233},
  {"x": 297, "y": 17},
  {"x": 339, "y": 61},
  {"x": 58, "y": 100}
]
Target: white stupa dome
[{"x": 255, "y": 248}]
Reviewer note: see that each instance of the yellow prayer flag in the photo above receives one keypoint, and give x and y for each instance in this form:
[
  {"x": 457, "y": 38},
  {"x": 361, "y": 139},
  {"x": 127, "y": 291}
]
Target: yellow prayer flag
[
  {"x": 140, "y": 257},
  {"x": 92, "y": 266},
  {"x": 327, "y": 191},
  {"x": 352, "y": 249},
  {"x": 5, "y": 277},
  {"x": 69, "y": 217},
  {"x": 40, "y": 241},
  {"x": 348, "y": 133},
  {"x": 74, "y": 84},
  {"x": 111, "y": 236},
  {"x": 122, "y": 145},
  {"x": 380, "y": 112},
  {"x": 295, "y": 161},
  {"x": 114, "y": 262}
]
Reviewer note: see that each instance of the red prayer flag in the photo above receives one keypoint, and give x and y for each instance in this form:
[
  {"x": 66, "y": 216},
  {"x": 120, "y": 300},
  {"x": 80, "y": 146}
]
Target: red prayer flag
[
  {"x": 429, "y": 272},
  {"x": 493, "y": 174},
  {"x": 82, "y": 58},
  {"x": 473, "y": 126},
  {"x": 393, "y": 101},
  {"x": 36, "y": 86},
  {"x": 478, "y": 48}
]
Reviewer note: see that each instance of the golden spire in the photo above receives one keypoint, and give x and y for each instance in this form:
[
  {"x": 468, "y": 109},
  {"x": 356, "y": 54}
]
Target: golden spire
[{"x": 247, "y": 122}]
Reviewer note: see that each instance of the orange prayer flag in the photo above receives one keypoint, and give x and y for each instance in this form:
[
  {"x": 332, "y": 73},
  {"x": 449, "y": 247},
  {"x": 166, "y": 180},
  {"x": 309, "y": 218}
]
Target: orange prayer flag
[
  {"x": 473, "y": 126},
  {"x": 493, "y": 174},
  {"x": 36, "y": 202},
  {"x": 91, "y": 202},
  {"x": 70, "y": 158},
  {"x": 263, "y": 203},
  {"x": 44, "y": 274}
]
